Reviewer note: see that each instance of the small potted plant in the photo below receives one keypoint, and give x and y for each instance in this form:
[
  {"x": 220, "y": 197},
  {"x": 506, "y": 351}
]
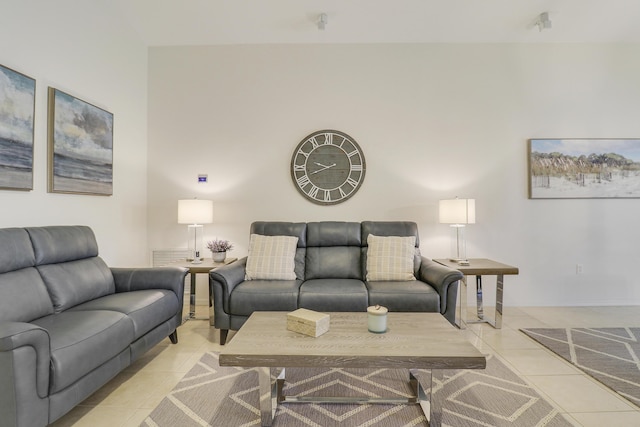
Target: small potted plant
[{"x": 219, "y": 249}]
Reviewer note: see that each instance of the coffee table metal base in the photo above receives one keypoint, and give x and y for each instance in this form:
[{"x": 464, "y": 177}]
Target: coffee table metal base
[{"x": 271, "y": 394}]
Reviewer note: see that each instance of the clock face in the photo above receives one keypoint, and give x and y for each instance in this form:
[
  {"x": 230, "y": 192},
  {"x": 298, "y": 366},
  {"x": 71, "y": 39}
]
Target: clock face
[{"x": 328, "y": 167}]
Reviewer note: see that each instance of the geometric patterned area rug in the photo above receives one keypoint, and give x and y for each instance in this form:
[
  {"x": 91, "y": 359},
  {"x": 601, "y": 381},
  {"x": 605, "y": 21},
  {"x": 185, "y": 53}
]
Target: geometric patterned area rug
[
  {"x": 210, "y": 395},
  {"x": 610, "y": 355}
]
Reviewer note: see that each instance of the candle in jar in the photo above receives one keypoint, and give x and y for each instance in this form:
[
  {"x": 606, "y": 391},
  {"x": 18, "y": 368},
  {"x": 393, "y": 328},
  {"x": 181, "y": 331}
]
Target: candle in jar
[{"x": 377, "y": 319}]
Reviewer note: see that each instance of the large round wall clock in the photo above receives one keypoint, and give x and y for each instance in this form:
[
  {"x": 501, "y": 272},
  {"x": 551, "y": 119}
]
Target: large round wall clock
[{"x": 328, "y": 167}]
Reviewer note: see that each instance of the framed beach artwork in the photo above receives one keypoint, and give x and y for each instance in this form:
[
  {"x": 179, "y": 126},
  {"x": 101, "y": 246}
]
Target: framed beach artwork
[
  {"x": 17, "y": 111},
  {"x": 584, "y": 168},
  {"x": 80, "y": 146}
]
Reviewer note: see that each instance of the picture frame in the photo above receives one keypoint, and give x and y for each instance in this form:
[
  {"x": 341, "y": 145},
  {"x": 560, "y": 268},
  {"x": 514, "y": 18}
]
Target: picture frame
[
  {"x": 80, "y": 141},
  {"x": 589, "y": 168},
  {"x": 17, "y": 120}
]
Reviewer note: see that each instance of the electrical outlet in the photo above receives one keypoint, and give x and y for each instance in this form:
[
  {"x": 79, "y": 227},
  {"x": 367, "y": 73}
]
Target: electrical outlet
[{"x": 579, "y": 268}]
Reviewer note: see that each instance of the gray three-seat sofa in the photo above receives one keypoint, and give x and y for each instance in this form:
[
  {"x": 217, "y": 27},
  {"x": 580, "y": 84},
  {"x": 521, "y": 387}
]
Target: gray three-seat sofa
[{"x": 330, "y": 270}]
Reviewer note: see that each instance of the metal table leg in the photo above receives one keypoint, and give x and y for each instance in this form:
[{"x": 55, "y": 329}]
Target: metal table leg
[
  {"x": 192, "y": 298},
  {"x": 462, "y": 307},
  {"x": 497, "y": 321},
  {"x": 271, "y": 395},
  {"x": 499, "y": 294},
  {"x": 479, "y": 305}
]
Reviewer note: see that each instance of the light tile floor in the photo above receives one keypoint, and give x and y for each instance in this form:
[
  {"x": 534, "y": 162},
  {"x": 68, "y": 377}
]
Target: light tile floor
[{"x": 132, "y": 395}]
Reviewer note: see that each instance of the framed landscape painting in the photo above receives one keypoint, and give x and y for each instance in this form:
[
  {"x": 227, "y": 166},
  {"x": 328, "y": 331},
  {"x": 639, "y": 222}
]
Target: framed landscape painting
[
  {"x": 584, "y": 168},
  {"x": 80, "y": 146},
  {"x": 17, "y": 108}
]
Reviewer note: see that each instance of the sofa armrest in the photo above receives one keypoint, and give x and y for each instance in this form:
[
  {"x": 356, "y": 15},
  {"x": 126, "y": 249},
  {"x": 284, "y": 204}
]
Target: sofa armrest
[
  {"x": 15, "y": 366},
  {"x": 222, "y": 280},
  {"x": 137, "y": 279},
  {"x": 445, "y": 281}
]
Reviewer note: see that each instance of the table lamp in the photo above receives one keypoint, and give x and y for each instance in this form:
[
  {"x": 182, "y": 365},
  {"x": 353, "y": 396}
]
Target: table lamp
[
  {"x": 458, "y": 213},
  {"x": 195, "y": 212}
]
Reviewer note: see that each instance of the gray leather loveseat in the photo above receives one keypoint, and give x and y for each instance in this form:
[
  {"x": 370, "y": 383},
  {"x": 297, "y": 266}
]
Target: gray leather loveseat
[
  {"x": 331, "y": 275},
  {"x": 69, "y": 323}
]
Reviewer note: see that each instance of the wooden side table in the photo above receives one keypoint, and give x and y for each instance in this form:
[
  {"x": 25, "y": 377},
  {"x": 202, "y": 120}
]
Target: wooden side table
[
  {"x": 204, "y": 267},
  {"x": 480, "y": 267}
]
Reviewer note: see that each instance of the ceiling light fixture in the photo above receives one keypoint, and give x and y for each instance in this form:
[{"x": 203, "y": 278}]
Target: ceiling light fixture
[
  {"x": 543, "y": 22},
  {"x": 322, "y": 21}
]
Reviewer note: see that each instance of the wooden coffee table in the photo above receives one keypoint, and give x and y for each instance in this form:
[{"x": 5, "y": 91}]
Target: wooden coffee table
[{"x": 413, "y": 340}]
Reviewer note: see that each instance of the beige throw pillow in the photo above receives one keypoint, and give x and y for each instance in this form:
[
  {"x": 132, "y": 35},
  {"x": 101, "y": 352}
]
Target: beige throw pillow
[
  {"x": 390, "y": 258},
  {"x": 271, "y": 258}
]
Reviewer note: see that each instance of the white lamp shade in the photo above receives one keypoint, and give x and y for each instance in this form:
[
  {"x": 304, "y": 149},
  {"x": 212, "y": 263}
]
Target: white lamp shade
[
  {"x": 194, "y": 211},
  {"x": 458, "y": 211}
]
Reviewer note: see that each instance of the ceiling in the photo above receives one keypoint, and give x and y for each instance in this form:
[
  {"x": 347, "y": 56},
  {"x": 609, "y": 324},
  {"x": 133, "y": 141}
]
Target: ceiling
[{"x": 210, "y": 22}]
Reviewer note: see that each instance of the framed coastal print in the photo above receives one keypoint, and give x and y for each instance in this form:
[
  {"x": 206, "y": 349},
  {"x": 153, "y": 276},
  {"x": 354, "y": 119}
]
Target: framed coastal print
[
  {"x": 17, "y": 111},
  {"x": 584, "y": 168},
  {"x": 80, "y": 146}
]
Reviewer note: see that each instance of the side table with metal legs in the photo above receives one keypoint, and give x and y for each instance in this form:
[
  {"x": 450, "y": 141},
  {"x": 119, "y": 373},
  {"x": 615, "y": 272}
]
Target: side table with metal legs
[
  {"x": 480, "y": 267},
  {"x": 202, "y": 268}
]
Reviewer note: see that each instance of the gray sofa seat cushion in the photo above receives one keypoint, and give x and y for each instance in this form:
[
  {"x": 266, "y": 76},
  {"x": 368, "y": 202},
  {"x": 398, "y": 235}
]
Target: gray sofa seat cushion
[
  {"x": 333, "y": 295},
  {"x": 412, "y": 295},
  {"x": 147, "y": 309},
  {"x": 74, "y": 282},
  {"x": 81, "y": 341},
  {"x": 264, "y": 295}
]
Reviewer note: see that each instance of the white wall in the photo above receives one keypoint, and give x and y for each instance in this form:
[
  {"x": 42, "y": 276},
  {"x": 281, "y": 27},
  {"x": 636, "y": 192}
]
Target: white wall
[
  {"x": 434, "y": 121},
  {"x": 85, "y": 50}
]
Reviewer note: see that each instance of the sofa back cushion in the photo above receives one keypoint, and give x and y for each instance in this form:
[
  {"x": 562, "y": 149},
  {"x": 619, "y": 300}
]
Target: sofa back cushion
[
  {"x": 67, "y": 259},
  {"x": 62, "y": 243},
  {"x": 16, "y": 251},
  {"x": 74, "y": 282},
  {"x": 23, "y": 295},
  {"x": 333, "y": 250},
  {"x": 295, "y": 229}
]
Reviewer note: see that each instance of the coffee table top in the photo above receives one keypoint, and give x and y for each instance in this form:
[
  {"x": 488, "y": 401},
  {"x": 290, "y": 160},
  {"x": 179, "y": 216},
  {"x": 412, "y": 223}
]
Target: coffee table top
[{"x": 413, "y": 340}]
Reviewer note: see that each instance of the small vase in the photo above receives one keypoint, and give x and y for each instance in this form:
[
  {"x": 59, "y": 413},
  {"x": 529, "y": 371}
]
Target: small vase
[{"x": 218, "y": 256}]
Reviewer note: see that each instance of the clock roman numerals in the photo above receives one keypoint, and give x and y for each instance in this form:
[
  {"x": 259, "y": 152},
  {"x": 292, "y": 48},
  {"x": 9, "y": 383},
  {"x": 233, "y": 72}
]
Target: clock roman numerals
[{"x": 303, "y": 181}]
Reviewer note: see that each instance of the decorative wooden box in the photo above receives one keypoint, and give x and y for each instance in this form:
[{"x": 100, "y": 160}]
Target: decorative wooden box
[{"x": 308, "y": 322}]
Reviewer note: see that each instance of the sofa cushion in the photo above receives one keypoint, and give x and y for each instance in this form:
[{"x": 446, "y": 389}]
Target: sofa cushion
[
  {"x": 147, "y": 309},
  {"x": 74, "y": 282},
  {"x": 81, "y": 341},
  {"x": 333, "y": 295},
  {"x": 334, "y": 233},
  {"x": 62, "y": 243},
  {"x": 264, "y": 295},
  {"x": 411, "y": 295},
  {"x": 23, "y": 296},
  {"x": 16, "y": 251},
  {"x": 271, "y": 257},
  {"x": 340, "y": 262},
  {"x": 390, "y": 257}
]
